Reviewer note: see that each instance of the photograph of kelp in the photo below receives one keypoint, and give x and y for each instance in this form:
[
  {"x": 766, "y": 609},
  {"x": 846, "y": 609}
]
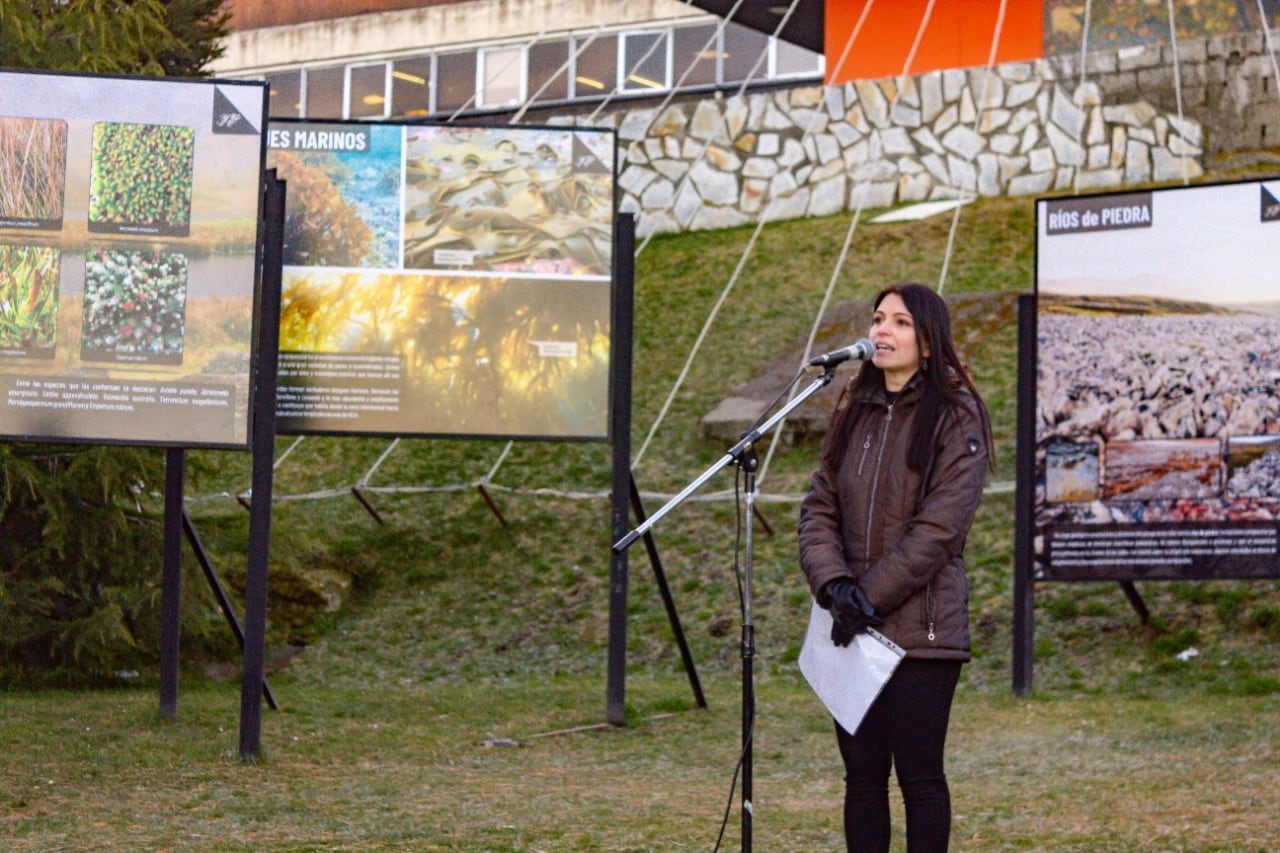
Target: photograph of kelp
[
  {"x": 140, "y": 179},
  {"x": 33, "y": 172},
  {"x": 491, "y": 356},
  {"x": 134, "y": 306},
  {"x": 536, "y": 201},
  {"x": 28, "y": 300}
]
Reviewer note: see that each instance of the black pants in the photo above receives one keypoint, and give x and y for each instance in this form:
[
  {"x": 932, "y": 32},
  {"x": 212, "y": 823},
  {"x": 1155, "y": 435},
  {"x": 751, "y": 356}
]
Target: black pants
[{"x": 906, "y": 729}]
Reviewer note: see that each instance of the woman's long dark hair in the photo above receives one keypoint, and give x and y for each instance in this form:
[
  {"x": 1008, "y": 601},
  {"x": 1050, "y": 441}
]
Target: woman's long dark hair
[{"x": 944, "y": 379}]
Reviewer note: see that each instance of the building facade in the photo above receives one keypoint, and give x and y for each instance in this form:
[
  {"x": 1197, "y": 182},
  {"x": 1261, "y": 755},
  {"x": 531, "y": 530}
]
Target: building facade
[{"x": 722, "y": 125}]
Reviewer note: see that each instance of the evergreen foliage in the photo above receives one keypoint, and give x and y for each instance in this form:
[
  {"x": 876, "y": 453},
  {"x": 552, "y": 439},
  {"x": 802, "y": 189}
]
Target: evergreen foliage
[
  {"x": 80, "y": 558},
  {"x": 199, "y": 26},
  {"x": 112, "y": 36},
  {"x": 80, "y": 548}
]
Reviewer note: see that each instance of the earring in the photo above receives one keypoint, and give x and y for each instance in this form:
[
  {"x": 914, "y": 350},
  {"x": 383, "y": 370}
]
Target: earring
[{"x": 924, "y": 364}]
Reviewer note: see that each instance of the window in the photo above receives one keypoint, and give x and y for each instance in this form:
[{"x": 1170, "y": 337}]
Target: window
[
  {"x": 743, "y": 48},
  {"x": 455, "y": 80},
  {"x": 644, "y": 61},
  {"x": 411, "y": 87},
  {"x": 368, "y": 91},
  {"x": 597, "y": 67},
  {"x": 285, "y": 94},
  {"x": 549, "y": 70},
  {"x": 686, "y": 54},
  {"x": 324, "y": 92},
  {"x": 502, "y": 76},
  {"x": 791, "y": 59},
  {"x": 694, "y": 54}
]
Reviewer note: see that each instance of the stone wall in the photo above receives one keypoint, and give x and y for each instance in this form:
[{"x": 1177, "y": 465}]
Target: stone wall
[
  {"x": 1227, "y": 83},
  {"x": 1020, "y": 129}
]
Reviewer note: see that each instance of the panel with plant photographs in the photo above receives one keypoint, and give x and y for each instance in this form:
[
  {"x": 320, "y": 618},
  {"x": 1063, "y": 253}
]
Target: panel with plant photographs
[
  {"x": 33, "y": 172},
  {"x": 140, "y": 179},
  {"x": 134, "y": 306},
  {"x": 28, "y": 300},
  {"x": 130, "y": 217}
]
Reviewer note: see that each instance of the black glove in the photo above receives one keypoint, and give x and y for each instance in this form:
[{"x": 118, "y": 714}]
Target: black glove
[{"x": 851, "y": 612}]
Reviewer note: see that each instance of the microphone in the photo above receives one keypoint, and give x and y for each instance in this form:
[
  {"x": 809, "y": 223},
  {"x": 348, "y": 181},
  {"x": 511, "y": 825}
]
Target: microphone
[{"x": 862, "y": 351}]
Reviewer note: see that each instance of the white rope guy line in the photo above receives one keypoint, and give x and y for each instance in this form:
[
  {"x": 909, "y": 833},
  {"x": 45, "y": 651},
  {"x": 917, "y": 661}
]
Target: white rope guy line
[
  {"x": 857, "y": 213},
  {"x": 494, "y": 470},
  {"x": 697, "y": 345},
  {"x": 564, "y": 67},
  {"x": 728, "y": 288},
  {"x": 1084, "y": 76},
  {"x": 724, "y": 21},
  {"x": 364, "y": 481},
  {"x": 290, "y": 449},
  {"x": 684, "y": 75},
  {"x": 511, "y": 60},
  {"x": 1084, "y": 41},
  {"x": 1271, "y": 49},
  {"x": 853, "y": 37},
  {"x": 915, "y": 45},
  {"x": 617, "y": 9},
  {"x": 608, "y": 99},
  {"x": 775, "y": 439},
  {"x": 1177, "y": 87},
  {"x": 248, "y": 492},
  {"x": 519, "y": 116},
  {"x": 723, "y": 496},
  {"x": 977, "y": 122}
]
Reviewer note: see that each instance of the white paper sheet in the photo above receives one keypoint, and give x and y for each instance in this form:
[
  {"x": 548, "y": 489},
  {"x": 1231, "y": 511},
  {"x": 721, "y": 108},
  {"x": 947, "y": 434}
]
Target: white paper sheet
[{"x": 846, "y": 678}]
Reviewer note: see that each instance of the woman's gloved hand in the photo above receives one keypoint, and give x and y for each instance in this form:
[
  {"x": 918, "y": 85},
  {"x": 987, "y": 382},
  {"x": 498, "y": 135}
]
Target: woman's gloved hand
[{"x": 851, "y": 612}]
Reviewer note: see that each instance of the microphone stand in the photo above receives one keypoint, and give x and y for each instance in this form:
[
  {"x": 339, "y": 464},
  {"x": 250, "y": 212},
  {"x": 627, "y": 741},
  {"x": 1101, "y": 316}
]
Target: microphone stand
[{"x": 744, "y": 456}]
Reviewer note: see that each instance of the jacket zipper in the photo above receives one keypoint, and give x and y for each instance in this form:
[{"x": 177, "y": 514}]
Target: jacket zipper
[
  {"x": 875, "y": 481},
  {"x": 931, "y": 609},
  {"x": 866, "y": 445}
]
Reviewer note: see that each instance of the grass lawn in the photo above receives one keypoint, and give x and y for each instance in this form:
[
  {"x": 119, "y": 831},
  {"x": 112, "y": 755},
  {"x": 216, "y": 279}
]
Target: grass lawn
[
  {"x": 450, "y": 690},
  {"x": 454, "y": 767}
]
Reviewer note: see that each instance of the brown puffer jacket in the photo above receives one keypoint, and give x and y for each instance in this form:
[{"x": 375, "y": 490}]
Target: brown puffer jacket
[{"x": 898, "y": 535}]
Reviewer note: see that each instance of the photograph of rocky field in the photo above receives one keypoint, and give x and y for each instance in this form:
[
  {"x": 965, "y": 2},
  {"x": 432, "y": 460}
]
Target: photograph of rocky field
[
  {"x": 1134, "y": 372},
  {"x": 1135, "y": 376},
  {"x": 1253, "y": 465}
]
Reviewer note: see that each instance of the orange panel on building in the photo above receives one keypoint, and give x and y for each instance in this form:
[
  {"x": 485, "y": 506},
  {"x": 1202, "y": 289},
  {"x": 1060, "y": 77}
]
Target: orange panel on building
[{"x": 958, "y": 34}]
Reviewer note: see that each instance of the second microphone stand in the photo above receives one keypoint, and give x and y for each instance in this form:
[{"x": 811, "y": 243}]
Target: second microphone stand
[{"x": 744, "y": 456}]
